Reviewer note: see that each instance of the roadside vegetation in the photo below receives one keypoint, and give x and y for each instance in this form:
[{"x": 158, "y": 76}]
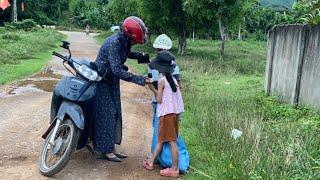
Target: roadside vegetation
[
  {"x": 215, "y": 19},
  {"x": 278, "y": 141},
  {"x": 25, "y": 50}
]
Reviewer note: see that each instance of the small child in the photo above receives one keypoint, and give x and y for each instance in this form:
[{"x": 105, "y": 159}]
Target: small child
[
  {"x": 170, "y": 105},
  {"x": 162, "y": 44},
  {"x": 87, "y": 30}
]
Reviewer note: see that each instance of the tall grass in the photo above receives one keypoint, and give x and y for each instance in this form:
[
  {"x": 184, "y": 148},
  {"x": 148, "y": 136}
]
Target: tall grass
[
  {"x": 278, "y": 142},
  {"x": 273, "y": 146}
]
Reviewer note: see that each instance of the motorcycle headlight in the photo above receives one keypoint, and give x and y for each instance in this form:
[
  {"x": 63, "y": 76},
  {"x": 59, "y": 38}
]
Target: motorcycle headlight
[{"x": 87, "y": 72}]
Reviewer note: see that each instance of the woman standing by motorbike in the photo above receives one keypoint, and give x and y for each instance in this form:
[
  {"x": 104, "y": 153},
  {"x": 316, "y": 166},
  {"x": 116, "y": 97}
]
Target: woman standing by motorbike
[{"x": 107, "y": 118}]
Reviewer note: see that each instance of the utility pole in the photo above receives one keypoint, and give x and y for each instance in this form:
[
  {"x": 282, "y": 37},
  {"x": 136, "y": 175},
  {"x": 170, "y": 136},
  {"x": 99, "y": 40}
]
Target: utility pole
[{"x": 15, "y": 14}]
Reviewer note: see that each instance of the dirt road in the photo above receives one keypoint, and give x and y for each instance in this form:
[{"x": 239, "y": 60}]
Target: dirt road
[{"x": 24, "y": 116}]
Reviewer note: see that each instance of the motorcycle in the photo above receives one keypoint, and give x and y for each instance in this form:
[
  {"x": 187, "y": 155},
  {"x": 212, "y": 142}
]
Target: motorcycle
[{"x": 70, "y": 113}]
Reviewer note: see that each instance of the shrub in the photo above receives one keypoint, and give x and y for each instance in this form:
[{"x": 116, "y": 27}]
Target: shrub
[
  {"x": 26, "y": 24},
  {"x": 2, "y": 30}
]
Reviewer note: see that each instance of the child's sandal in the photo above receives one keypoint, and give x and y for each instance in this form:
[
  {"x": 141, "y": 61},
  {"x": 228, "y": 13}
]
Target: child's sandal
[
  {"x": 147, "y": 165},
  {"x": 168, "y": 172}
]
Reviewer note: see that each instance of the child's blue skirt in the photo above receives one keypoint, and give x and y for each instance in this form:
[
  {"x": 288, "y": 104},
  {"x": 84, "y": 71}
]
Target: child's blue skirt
[{"x": 164, "y": 158}]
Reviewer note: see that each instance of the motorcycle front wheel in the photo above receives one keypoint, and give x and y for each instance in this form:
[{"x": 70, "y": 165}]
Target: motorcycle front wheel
[{"x": 54, "y": 158}]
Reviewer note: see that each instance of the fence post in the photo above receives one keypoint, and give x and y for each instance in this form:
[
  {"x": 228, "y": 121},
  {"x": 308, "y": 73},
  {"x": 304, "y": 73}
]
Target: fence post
[
  {"x": 15, "y": 14},
  {"x": 269, "y": 66},
  {"x": 303, "y": 46}
]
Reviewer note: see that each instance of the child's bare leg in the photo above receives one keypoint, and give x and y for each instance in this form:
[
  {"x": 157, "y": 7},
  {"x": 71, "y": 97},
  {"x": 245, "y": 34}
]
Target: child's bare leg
[
  {"x": 174, "y": 154},
  {"x": 156, "y": 152}
]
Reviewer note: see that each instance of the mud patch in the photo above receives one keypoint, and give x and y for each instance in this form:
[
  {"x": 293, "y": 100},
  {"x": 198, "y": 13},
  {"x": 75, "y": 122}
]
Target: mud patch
[
  {"x": 47, "y": 72},
  {"x": 12, "y": 160},
  {"x": 45, "y": 85},
  {"x": 18, "y": 158},
  {"x": 42, "y": 81},
  {"x": 30, "y": 86},
  {"x": 20, "y": 90}
]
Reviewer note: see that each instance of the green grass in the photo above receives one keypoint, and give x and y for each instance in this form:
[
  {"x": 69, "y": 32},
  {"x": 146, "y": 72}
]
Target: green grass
[
  {"x": 278, "y": 142},
  {"x": 25, "y": 52},
  {"x": 10, "y": 72}
]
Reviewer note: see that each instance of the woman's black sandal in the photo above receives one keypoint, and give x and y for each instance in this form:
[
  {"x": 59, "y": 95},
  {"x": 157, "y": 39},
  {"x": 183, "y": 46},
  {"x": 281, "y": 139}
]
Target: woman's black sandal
[
  {"x": 121, "y": 156},
  {"x": 102, "y": 156},
  {"x": 113, "y": 159}
]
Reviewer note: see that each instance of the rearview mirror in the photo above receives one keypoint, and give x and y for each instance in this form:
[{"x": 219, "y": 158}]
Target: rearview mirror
[{"x": 65, "y": 44}]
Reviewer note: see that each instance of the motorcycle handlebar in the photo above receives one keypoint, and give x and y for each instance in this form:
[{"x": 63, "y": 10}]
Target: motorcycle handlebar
[{"x": 60, "y": 56}]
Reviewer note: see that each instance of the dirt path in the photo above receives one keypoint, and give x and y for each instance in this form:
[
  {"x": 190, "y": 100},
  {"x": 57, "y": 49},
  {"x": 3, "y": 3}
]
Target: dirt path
[{"x": 24, "y": 116}]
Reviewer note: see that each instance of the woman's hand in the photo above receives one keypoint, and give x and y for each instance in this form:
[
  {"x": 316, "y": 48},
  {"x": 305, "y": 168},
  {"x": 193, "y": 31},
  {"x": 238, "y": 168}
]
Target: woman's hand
[
  {"x": 143, "y": 58},
  {"x": 149, "y": 81},
  {"x": 151, "y": 87}
]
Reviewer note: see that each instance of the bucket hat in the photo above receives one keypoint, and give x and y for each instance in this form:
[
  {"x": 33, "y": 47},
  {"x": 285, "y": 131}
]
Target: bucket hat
[
  {"x": 162, "y": 42},
  {"x": 163, "y": 62}
]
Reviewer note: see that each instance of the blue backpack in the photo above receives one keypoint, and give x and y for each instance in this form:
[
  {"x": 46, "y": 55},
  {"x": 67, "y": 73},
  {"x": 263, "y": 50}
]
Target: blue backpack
[{"x": 165, "y": 158}]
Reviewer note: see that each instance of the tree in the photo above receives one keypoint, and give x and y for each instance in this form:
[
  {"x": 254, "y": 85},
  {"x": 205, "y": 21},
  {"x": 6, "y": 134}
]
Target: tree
[
  {"x": 259, "y": 20},
  {"x": 239, "y": 12},
  {"x": 226, "y": 12},
  {"x": 166, "y": 16},
  {"x": 118, "y": 10},
  {"x": 54, "y": 8},
  {"x": 42, "y": 11},
  {"x": 89, "y": 13},
  {"x": 304, "y": 12},
  {"x": 150, "y": 12}
]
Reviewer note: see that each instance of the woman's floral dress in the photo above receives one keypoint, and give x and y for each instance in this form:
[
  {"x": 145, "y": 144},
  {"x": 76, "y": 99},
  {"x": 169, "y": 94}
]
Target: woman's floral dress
[{"x": 107, "y": 118}]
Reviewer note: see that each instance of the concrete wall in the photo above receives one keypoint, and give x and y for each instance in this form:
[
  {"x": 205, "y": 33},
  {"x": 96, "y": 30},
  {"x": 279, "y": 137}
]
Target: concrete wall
[
  {"x": 310, "y": 79},
  {"x": 293, "y": 64}
]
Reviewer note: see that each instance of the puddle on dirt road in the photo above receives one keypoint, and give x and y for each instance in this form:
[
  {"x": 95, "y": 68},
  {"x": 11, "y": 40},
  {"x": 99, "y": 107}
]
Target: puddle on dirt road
[
  {"x": 40, "y": 82},
  {"x": 42, "y": 85},
  {"x": 24, "y": 89}
]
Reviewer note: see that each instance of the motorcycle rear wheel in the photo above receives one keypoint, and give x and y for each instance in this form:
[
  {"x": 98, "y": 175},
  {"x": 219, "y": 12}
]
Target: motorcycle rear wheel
[{"x": 65, "y": 142}]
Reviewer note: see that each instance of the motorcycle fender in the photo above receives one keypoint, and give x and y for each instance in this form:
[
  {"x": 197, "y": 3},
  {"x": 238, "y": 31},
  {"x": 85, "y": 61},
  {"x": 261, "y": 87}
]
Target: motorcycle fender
[
  {"x": 74, "y": 111},
  {"x": 70, "y": 109}
]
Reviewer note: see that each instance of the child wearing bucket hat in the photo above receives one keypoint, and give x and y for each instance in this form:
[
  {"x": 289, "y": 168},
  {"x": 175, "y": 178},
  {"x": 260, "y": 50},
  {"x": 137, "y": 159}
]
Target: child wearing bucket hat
[
  {"x": 162, "y": 44},
  {"x": 170, "y": 105}
]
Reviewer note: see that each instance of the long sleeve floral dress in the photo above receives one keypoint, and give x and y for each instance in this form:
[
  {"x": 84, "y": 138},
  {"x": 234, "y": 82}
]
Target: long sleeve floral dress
[{"x": 107, "y": 117}]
